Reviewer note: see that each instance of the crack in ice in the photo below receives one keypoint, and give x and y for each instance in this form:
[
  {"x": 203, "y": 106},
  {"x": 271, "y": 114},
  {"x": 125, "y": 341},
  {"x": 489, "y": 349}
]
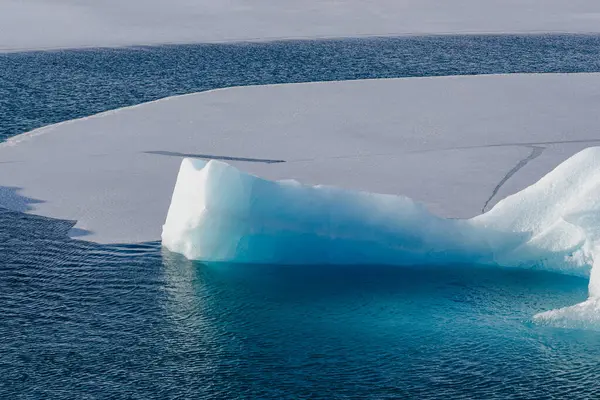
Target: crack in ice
[
  {"x": 214, "y": 157},
  {"x": 536, "y": 151}
]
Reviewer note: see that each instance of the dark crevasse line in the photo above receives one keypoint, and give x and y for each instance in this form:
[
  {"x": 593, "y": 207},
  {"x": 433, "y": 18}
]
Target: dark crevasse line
[
  {"x": 45, "y": 87},
  {"x": 536, "y": 151},
  {"x": 215, "y": 157}
]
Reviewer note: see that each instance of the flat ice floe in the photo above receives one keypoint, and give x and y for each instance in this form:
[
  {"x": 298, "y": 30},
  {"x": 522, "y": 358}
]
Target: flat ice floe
[
  {"x": 455, "y": 144},
  {"x": 39, "y": 24}
]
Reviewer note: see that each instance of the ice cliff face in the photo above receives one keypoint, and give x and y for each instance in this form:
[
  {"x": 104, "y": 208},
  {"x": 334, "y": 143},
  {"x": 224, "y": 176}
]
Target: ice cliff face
[{"x": 221, "y": 214}]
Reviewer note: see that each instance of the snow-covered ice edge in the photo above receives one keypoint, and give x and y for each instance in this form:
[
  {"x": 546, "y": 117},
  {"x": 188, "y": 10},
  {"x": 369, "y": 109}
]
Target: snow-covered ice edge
[{"x": 220, "y": 214}]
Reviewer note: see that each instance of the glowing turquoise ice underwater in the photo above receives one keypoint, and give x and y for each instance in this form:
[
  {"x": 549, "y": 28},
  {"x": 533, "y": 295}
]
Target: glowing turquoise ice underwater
[
  {"x": 79, "y": 320},
  {"x": 221, "y": 214}
]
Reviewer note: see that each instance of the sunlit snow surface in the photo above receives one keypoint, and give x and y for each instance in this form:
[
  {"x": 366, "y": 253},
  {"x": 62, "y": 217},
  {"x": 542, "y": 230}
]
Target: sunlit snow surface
[
  {"x": 219, "y": 214},
  {"x": 38, "y": 24}
]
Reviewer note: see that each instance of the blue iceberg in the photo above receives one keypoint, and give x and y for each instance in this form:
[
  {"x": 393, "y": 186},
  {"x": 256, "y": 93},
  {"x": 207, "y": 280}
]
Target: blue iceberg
[{"x": 220, "y": 214}]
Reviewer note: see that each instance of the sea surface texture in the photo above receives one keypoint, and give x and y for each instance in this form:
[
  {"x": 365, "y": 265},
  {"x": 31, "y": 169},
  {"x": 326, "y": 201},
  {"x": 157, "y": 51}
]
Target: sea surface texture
[
  {"x": 40, "y": 88},
  {"x": 85, "y": 321}
]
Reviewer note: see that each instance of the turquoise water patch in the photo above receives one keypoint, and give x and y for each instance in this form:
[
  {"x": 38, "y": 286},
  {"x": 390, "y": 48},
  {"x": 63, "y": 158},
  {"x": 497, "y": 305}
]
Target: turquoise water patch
[{"x": 86, "y": 321}]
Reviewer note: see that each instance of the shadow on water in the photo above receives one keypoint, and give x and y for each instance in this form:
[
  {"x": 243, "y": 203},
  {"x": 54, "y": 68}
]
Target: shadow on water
[
  {"x": 13, "y": 205},
  {"x": 11, "y": 199},
  {"x": 78, "y": 232}
]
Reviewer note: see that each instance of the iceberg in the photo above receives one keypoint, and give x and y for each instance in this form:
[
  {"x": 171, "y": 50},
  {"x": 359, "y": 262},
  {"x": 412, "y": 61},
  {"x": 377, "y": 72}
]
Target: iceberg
[{"x": 221, "y": 214}]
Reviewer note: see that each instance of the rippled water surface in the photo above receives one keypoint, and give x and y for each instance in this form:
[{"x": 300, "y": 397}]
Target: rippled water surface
[
  {"x": 87, "y": 321},
  {"x": 39, "y": 88},
  {"x": 84, "y": 321}
]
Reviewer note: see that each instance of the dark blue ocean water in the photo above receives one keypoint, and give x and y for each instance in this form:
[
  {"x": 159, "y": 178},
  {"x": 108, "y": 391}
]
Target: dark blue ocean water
[
  {"x": 85, "y": 321},
  {"x": 80, "y": 321},
  {"x": 39, "y": 88}
]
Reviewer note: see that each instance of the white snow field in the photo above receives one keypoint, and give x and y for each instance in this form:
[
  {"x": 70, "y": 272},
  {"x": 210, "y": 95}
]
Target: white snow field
[
  {"x": 452, "y": 143},
  {"x": 42, "y": 24}
]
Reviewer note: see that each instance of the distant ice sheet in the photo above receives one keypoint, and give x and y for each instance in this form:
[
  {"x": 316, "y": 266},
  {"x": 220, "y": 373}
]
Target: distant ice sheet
[
  {"x": 454, "y": 144},
  {"x": 39, "y": 24}
]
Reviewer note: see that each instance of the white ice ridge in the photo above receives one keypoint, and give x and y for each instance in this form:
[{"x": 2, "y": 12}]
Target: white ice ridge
[
  {"x": 220, "y": 214},
  {"x": 39, "y": 24}
]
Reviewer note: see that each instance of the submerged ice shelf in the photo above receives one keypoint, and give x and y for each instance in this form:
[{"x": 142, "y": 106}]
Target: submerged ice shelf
[{"x": 220, "y": 214}]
